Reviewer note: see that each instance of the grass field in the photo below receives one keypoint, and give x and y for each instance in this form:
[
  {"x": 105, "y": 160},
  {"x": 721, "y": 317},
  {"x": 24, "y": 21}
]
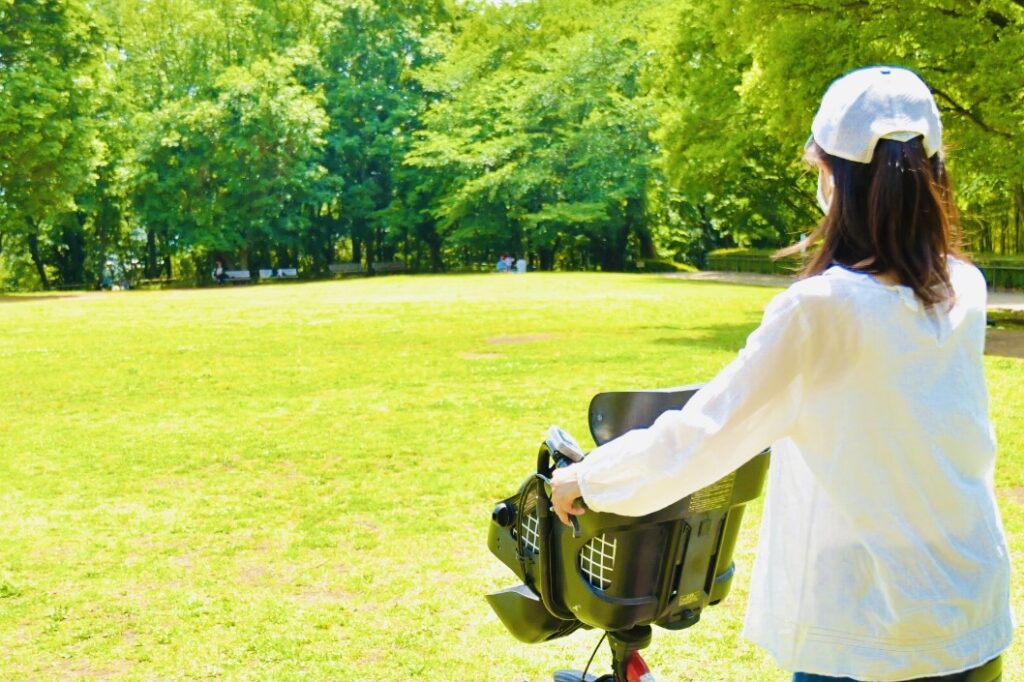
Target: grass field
[{"x": 294, "y": 481}]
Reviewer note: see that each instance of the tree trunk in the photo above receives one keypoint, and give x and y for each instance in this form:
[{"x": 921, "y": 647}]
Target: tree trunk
[
  {"x": 707, "y": 241},
  {"x": 357, "y": 250},
  {"x": 259, "y": 254},
  {"x": 168, "y": 268},
  {"x": 201, "y": 267},
  {"x": 378, "y": 242},
  {"x": 436, "y": 263},
  {"x": 613, "y": 251},
  {"x": 33, "y": 250},
  {"x": 635, "y": 220},
  {"x": 1018, "y": 218},
  {"x": 73, "y": 267},
  {"x": 647, "y": 249},
  {"x": 546, "y": 255},
  {"x": 371, "y": 252},
  {"x": 152, "y": 267},
  {"x": 329, "y": 253},
  {"x": 284, "y": 257}
]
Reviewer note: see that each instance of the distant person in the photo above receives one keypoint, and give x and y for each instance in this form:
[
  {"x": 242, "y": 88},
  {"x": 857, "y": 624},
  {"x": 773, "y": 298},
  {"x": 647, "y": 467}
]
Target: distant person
[
  {"x": 521, "y": 265},
  {"x": 882, "y": 556},
  {"x": 107, "y": 281},
  {"x": 219, "y": 273},
  {"x": 502, "y": 264}
]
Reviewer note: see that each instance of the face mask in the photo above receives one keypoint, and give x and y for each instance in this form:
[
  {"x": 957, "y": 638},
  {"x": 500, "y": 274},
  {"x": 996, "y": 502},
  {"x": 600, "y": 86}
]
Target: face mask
[{"x": 825, "y": 200}]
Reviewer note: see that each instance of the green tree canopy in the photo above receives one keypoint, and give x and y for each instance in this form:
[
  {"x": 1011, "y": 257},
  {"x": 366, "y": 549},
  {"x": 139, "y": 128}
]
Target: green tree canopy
[
  {"x": 50, "y": 53},
  {"x": 580, "y": 133}
]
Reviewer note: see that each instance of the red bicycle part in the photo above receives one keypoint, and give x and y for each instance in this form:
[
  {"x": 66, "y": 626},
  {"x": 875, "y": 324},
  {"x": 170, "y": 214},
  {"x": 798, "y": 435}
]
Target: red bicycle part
[{"x": 637, "y": 670}]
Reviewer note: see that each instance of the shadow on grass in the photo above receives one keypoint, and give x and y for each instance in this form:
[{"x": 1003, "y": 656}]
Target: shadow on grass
[
  {"x": 1005, "y": 342},
  {"x": 28, "y": 298},
  {"x": 769, "y": 283},
  {"x": 720, "y": 337}
]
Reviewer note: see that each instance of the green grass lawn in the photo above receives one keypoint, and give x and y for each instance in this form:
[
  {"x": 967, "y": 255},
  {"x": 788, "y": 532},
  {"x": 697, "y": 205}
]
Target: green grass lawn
[{"x": 295, "y": 481}]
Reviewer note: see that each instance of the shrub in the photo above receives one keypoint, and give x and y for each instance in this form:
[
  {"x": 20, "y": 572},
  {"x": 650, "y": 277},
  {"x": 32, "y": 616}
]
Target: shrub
[{"x": 1002, "y": 272}]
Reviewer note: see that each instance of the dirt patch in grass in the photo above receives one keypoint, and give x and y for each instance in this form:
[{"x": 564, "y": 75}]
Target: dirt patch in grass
[
  {"x": 480, "y": 356},
  {"x": 72, "y": 669},
  {"x": 522, "y": 338},
  {"x": 255, "y": 573},
  {"x": 317, "y": 597},
  {"x": 1008, "y": 343},
  {"x": 1014, "y": 495}
]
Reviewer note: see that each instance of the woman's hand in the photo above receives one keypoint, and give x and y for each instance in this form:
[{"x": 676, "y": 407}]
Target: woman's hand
[{"x": 565, "y": 490}]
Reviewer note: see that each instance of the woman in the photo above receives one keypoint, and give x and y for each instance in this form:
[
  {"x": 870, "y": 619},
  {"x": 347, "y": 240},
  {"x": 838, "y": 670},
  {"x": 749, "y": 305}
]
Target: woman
[
  {"x": 882, "y": 555},
  {"x": 219, "y": 273}
]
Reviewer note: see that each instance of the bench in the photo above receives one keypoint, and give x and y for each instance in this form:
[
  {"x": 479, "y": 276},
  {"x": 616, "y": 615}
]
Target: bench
[
  {"x": 392, "y": 266},
  {"x": 233, "y": 276},
  {"x": 346, "y": 268},
  {"x": 267, "y": 274}
]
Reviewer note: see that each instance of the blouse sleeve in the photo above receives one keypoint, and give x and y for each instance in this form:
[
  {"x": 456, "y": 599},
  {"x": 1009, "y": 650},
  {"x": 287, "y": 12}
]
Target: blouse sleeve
[{"x": 749, "y": 405}]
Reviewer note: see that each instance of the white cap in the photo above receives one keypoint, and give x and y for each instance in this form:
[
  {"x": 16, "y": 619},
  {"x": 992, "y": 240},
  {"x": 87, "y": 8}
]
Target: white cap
[{"x": 870, "y": 104}]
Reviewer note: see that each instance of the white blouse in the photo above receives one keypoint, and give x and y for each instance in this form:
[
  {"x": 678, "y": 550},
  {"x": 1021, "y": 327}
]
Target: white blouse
[{"x": 882, "y": 555}]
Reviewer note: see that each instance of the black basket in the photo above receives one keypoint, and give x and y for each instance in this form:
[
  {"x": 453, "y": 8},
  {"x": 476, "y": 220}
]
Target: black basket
[{"x": 618, "y": 573}]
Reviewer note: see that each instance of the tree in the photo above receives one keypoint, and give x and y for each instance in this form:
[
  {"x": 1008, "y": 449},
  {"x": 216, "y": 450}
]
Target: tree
[
  {"x": 367, "y": 51},
  {"x": 540, "y": 139},
  {"x": 237, "y": 174},
  {"x": 49, "y": 55},
  {"x": 587, "y": 133},
  {"x": 746, "y": 79}
]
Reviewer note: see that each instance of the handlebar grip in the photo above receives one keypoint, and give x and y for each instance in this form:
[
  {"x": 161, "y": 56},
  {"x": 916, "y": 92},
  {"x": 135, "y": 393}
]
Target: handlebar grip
[{"x": 544, "y": 577}]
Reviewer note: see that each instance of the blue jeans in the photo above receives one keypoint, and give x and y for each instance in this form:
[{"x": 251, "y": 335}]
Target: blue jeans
[
  {"x": 808, "y": 677},
  {"x": 968, "y": 676}
]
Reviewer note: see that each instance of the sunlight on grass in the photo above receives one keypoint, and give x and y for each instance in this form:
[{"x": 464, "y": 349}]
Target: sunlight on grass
[{"x": 295, "y": 481}]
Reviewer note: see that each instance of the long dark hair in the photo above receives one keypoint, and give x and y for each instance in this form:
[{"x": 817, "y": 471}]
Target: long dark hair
[{"x": 894, "y": 215}]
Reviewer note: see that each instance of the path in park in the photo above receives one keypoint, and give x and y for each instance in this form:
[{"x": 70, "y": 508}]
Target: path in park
[{"x": 1004, "y": 342}]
